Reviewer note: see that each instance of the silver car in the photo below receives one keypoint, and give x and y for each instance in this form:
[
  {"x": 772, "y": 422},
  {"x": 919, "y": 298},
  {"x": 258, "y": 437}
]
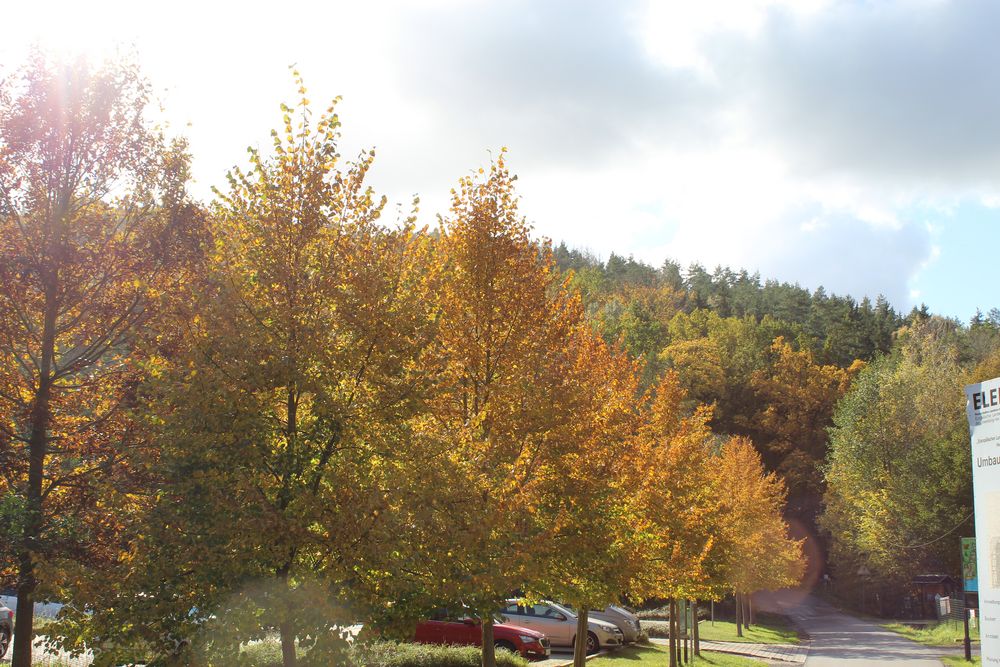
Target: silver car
[
  {"x": 626, "y": 621},
  {"x": 6, "y": 628},
  {"x": 559, "y": 624}
]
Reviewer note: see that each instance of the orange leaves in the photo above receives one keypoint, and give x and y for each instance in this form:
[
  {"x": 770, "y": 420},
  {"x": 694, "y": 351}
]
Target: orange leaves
[
  {"x": 758, "y": 552},
  {"x": 712, "y": 517},
  {"x": 536, "y": 411},
  {"x": 676, "y": 494},
  {"x": 798, "y": 396}
]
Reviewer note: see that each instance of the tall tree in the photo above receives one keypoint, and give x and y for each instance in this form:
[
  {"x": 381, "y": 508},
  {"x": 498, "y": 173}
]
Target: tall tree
[
  {"x": 597, "y": 547},
  {"x": 756, "y": 551},
  {"x": 502, "y": 402},
  {"x": 92, "y": 206},
  {"x": 676, "y": 494},
  {"x": 283, "y": 427},
  {"x": 898, "y": 475},
  {"x": 796, "y": 399}
]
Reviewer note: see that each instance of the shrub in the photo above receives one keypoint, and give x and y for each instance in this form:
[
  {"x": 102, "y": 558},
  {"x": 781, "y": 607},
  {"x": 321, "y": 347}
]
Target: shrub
[
  {"x": 659, "y": 629},
  {"x": 262, "y": 653},
  {"x": 657, "y": 614},
  {"x": 401, "y": 654},
  {"x": 267, "y": 653}
]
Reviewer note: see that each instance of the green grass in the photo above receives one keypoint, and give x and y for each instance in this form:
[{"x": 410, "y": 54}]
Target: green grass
[
  {"x": 947, "y": 633},
  {"x": 771, "y": 629},
  {"x": 959, "y": 661},
  {"x": 636, "y": 656},
  {"x": 267, "y": 653}
]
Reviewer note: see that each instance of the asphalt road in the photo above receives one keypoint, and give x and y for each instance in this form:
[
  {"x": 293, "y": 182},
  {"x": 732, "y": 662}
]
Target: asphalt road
[{"x": 840, "y": 639}]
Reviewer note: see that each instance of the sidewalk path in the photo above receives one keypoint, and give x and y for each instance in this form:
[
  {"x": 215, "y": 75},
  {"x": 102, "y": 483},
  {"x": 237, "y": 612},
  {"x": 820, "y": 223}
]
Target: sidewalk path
[
  {"x": 841, "y": 639},
  {"x": 790, "y": 653}
]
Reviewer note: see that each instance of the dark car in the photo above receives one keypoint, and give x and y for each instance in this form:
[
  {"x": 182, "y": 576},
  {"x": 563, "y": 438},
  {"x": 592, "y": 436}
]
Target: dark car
[
  {"x": 6, "y": 629},
  {"x": 445, "y": 628}
]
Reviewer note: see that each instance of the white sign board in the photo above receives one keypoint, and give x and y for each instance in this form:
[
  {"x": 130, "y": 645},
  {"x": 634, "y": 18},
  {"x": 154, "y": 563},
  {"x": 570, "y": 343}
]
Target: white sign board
[{"x": 983, "y": 408}]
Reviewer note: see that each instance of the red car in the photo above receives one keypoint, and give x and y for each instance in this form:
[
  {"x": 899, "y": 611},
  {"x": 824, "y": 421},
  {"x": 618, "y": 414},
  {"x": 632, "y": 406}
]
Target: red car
[{"x": 445, "y": 629}]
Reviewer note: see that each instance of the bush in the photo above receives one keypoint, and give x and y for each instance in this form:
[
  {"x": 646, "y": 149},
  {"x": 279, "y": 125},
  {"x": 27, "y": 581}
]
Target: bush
[
  {"x": 401, "y": 654},
  {"x": 643, "y": 638},
  {"x": 263, "y": 653},
  {"x": 658, "y": 629},
  {"x": 657, "y": 614},
  {"x": 267, "y": 653}
]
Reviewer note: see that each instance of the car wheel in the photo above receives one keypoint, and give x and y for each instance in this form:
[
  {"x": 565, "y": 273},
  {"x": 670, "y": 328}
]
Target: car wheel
[
  {"x": 593, "y": 646},
  {"x": 4, "y": 642},
  {"x": 506, "y": 645}
]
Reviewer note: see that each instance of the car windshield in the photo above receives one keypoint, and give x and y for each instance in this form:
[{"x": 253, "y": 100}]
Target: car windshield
[{"x": 561, "y": 608}]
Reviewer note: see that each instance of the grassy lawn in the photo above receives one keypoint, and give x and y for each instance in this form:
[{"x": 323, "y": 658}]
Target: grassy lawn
[
  {"x": 953, "y": 661},
  {"x": 948, "y": 633},
  {"x": 636, "y": 656},
  {"x": 771, "y": 630}
]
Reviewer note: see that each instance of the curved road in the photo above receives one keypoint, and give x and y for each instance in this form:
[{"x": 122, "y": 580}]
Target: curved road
[{"x": 840, "y": 639}]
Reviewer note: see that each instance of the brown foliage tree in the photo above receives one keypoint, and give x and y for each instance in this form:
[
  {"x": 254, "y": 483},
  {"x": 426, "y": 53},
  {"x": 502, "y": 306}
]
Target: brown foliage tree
[{"x": 92, "y": 211}]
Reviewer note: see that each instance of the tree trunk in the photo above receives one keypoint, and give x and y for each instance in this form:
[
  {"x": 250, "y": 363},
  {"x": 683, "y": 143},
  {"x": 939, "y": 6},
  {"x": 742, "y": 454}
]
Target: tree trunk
[
  {"x": 749, "y": 611},
  {"x": 287, "y": 631},
  {"x": 739, "y": 615},
  {"x": 746, "y": 610},
  {"x": 671, "y": 635},
  {"x": 286, "y": 627},
  {"x": 684, "y": 639},
  {"x": 25, "y": 618},
  {"x": 680, "y": 634},
  {"x": 580, "y": 648},
  {"x": 489, "y": 650},
  {"x": 41, "y": 414},
  {"x": 694, "y": 628}
]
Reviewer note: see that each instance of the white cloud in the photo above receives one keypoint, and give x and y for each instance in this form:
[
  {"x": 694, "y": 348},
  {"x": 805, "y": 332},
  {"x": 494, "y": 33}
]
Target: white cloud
[
  {"x": 674, "y": 31},
  {"x": 809, "y": 139}
]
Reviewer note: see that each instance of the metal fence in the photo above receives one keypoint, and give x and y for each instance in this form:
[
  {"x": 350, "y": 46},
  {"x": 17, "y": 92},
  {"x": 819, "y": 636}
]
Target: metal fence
[{"x": 951, "y": 609}]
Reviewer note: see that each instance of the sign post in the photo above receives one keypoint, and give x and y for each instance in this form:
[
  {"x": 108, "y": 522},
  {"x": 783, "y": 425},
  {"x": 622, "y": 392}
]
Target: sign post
[
  {"x": 970, "y": 583},
  {"x": 983, "y": 410}
]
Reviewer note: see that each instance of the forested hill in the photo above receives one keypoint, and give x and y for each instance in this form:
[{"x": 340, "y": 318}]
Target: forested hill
[
  {"x": 631, "y": 298},
  {"x": 777, "y": 361}
]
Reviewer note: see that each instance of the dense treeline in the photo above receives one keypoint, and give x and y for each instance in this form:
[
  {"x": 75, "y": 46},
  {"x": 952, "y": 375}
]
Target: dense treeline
[
  {"x": 282, "y": 414},
  {"x": 899, "y": 493},
  {"x": 859, "y": 409},
  {"x": 772, "y": 358},
  {"x": 631, "y": 298}
]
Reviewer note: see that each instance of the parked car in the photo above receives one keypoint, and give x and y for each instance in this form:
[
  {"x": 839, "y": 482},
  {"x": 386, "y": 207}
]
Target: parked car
[
  {"x": 447, "y": 628},
  {"x": 6, "y": 628},
  {"x": 559, "y": 624},
  {"x": 626, "y": 621},
  {"x": 8, "y": 598}
]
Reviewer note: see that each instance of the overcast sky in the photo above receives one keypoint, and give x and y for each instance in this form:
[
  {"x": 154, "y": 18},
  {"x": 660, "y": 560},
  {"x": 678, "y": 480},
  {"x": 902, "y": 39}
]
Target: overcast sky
[{"x": 850, "y": 144}]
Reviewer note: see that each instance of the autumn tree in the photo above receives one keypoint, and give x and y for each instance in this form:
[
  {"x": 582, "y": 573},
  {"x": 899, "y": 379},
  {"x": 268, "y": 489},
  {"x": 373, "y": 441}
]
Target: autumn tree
[
  {"x": 284, "y": 447},
  {"x": 796, "y": 398},
  {"x": 698, "y": 363},
  {"x": 93, "y": 218},
  {"x": 676, "y": 497},
  {"x": 756, "y": 550},
  {"x": 594, "y": 533},
  {"x": 504, "y": 361}
]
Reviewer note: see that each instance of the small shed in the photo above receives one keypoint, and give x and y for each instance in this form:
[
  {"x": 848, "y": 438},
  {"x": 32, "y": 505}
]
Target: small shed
[{"x": 927, "y": 586}]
